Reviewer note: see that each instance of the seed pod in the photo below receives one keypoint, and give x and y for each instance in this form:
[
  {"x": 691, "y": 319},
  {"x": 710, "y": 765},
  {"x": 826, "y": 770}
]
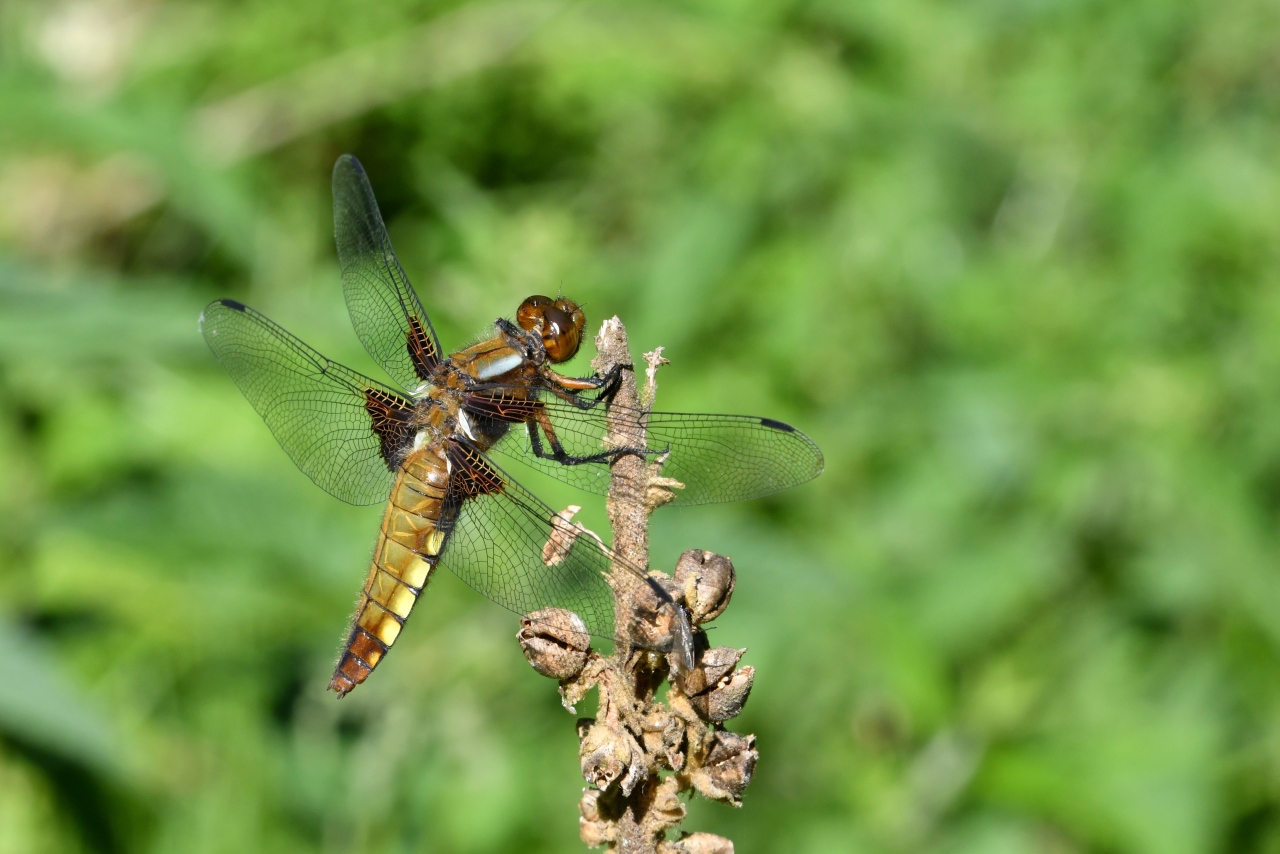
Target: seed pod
[
  {"x": 727, "y": 768},
  {"x": 589, "y": 805},
  {"x": 655, "y": 620},
  {"x": 555, "y": 642},
  {"x": 713, "y": 666},
  {"x": 605, "y": 753},
  {"x": 697, "y": 843},
  {"x": 664, "y": 736},
  {"x": 667, "y": 807},
  {"x": 593, "y": 829},
  {"x": 726, "y": 699},
  {"x": 706, "y": 581},
  {"x": 596, "y": 834}
]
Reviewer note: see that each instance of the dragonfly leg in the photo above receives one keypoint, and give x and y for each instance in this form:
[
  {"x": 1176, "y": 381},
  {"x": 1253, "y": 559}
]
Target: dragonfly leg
[
  {"x": 568, "y": 388},
  {"x": 557, "y": 452}
]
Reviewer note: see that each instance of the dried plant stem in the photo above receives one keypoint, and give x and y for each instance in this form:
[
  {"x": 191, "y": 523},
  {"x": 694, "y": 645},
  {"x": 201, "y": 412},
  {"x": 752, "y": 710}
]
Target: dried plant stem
[
  {"x": 629, "y": 509},
  {"x": 641, "y": 755},
  {"x": 628, "y": 476}
]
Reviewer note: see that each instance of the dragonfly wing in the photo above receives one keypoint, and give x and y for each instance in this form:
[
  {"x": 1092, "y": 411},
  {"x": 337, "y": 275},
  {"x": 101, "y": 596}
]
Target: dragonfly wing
[
  {"x": 344, "y": 430},
  {"x": 722, "y": 458},
  {"x": 718, "y": 458},
  {"x": 515, "y": 550},
  {"x": 384, "y": 308}
]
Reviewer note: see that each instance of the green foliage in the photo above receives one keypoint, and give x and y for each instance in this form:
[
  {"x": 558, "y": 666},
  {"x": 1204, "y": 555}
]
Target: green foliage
[{"x": 1011, "y": 263}]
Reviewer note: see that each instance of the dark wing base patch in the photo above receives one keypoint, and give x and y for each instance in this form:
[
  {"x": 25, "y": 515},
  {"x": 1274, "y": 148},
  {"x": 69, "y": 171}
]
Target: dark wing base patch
[
  {"x": 472, "y": 475},
  {"x": 422, "y": 349},
  {"x": 392, "y": 418}
]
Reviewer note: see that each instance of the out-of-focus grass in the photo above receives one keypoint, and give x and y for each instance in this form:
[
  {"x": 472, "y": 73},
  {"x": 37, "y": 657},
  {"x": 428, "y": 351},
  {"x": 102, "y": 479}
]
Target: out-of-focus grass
[{"x": 1012, "y": 264}]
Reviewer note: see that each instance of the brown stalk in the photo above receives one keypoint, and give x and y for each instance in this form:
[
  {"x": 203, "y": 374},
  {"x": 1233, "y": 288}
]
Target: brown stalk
[{"x": 641, "y": 755}]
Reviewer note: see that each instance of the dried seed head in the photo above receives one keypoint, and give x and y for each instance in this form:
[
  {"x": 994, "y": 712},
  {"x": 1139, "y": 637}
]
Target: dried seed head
[
  {"x": 719, "y": 661},
  {"x": 726, "y": 699},
  {"x": 666, "y": 807},
  {"x": 605, "y": 753},
  {"x": 665, "y": 737},
  {"x": 555, "y": 642},
  {"x": 589, "y": 805},
  {"x": 713, "y": 665},
  {"x": 697, "y": 843},
  {"x": 655, "y": 620},
  {"x": 727, "y": 768},
  {"x": 706, "y": 581},
  {"x": 596, "y": 834},
  {"x": 593, "y": 829}
]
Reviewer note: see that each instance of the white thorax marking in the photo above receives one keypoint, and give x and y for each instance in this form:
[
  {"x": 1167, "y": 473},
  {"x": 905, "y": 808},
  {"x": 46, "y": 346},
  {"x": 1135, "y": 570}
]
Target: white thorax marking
[
  {"x": 497, "y": 367},
  {"x": 465, "y": 423}
]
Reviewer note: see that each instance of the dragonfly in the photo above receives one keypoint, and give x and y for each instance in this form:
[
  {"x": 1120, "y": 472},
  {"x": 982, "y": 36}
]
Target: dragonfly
[{"x": 430, "y": 446}]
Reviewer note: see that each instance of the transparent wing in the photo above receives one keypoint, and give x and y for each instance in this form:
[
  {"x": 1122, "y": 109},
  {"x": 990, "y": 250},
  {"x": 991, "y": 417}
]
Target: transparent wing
[
  {"x": 498, "y": 543},
  {"x": 384, "y": 309},
  {"x": 340, "y": 427},
  {"x": 718, "y": 458},
  {"x": 732, "y": 457}
]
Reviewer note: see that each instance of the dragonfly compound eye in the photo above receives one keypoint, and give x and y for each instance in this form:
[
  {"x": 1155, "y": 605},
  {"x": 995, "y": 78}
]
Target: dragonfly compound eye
[
  {"x": 559, "y": 321},
  {"x": 561, "y": 336},
  {"x": 533, "y": 311}
]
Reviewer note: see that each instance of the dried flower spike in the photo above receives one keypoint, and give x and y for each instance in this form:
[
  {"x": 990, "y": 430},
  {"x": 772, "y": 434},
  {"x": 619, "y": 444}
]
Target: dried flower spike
[{"x": 639, "y": 735}]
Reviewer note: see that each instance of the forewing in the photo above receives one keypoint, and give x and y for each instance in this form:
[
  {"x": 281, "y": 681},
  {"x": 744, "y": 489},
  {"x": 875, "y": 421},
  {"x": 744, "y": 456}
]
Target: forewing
[
  {"x": 499, "y": 536},
  {"x": 384, "y": 309},
  {"x": 341, "y": 428},
  {"x": 718, "y": 458}
]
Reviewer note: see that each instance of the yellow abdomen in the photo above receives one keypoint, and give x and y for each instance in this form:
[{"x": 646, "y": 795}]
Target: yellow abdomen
[{"x": 408, "y": 549}]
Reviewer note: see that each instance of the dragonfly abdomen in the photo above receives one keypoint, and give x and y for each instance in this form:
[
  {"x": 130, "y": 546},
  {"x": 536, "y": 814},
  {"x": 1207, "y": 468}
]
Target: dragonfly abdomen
[{"x": 408, "y": 549}]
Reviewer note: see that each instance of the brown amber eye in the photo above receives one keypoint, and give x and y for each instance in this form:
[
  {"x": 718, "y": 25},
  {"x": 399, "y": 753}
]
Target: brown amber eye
[
  {"x": 569, "y": 307},
  {"x": 532, "y": 310},
  {"x": 559, "y": 322},
  {"x": 563, "y": 333}
]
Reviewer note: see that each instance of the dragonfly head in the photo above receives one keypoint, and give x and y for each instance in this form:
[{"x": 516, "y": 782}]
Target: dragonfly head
[{"x": 558, "y": 321}]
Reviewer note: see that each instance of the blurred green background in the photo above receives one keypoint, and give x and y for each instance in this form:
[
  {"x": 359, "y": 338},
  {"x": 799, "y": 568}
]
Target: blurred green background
[{"x": 1012, "y": 263}]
